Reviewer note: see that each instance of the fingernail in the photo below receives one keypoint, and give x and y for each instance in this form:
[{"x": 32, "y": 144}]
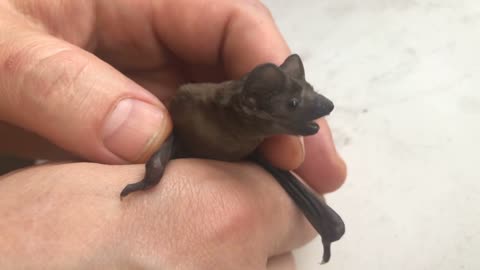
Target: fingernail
[
  {"x": 302, "y": 146},
  {"x": 135, "y": 129}
]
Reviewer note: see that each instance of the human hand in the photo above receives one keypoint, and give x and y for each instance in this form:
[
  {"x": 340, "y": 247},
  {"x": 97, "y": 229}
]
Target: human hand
[
  {"x": 76, "y": 73},
  {"x": 203, "y": 215}
]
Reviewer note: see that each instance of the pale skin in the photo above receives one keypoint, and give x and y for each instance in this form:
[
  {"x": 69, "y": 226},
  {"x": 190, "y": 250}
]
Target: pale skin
[{"x": 65, "y": 66}]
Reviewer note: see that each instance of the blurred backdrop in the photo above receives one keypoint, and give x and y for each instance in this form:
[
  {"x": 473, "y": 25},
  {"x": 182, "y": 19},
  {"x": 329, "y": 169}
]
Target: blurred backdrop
[{"x": 405, "y": 78}]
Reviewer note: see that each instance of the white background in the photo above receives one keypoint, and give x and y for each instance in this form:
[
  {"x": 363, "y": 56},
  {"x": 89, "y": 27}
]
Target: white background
[{"x": 405, "y": 78}]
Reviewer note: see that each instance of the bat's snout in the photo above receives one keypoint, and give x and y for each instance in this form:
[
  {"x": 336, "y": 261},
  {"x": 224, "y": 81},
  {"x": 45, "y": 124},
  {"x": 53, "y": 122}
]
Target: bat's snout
[{"x": 323, "y": 106}]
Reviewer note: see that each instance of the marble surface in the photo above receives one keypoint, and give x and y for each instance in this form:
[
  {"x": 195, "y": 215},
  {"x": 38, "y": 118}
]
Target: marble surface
[{"x": 405, "y": 77}]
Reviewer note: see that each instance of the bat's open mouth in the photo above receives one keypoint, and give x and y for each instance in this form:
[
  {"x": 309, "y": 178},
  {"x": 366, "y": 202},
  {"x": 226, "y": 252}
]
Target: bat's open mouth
[
  {"x": 309, "y": 128},
  {"x": 312, "y": 125},
  {"x": 323, "y": 108},
  {"x": 302, "y": 122}
]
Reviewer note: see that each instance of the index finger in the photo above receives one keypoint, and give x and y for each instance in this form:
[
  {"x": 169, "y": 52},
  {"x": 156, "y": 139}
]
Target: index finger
[
  {"x": 236, "y": 34},
  {"x": 252, "y": 38}
]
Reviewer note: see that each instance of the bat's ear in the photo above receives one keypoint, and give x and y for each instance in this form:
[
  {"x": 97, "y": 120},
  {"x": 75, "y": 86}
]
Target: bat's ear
[
  {"x": 293, "y": 66},
  {"x": 264, "y": 79}
]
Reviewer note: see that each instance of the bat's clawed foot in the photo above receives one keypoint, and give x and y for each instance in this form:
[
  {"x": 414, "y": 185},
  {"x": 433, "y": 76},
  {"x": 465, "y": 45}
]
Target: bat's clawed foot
[
  {"x": 142, "y": 185},
  {"x": 153, "y": 169}
]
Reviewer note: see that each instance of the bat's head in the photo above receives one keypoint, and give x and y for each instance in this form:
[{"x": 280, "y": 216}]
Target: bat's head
[{"x": 281, "y": 96}]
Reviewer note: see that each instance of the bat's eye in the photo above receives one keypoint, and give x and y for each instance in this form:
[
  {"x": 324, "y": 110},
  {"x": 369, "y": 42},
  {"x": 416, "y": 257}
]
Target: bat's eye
[{"x": 293, "y": 103}]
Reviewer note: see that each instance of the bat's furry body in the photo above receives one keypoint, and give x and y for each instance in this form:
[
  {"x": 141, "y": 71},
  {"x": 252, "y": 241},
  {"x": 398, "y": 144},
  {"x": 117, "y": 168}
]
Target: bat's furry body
[{"x": 227, "y": 121}]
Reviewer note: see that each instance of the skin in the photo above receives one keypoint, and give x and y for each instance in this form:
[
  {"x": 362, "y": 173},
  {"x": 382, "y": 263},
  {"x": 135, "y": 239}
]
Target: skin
[
  {"x": 69, "y": 65},
  {"x": 96, "y": 230}
]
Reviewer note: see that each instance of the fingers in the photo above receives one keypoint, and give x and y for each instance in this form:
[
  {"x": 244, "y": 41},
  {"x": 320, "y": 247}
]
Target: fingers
[
  {"x": 77, "y": 101},
  {"x": 251, "y": 38},
  {"x": 235, "y": 35},
  {"x": 314, "y": 158},
  {"x": 323, "y": 168},
  {"x": 283, "y": 151}
]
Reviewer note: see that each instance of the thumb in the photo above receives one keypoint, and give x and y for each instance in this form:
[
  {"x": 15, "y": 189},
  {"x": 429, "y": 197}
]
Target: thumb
[{"x": 77, "y": 101}]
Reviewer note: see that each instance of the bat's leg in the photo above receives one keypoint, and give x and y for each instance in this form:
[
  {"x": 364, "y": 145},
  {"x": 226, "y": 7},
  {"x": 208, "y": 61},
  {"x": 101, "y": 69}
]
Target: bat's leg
[
  {"x": 154, "y": 168},
  {"x": 323, "y": 218}
]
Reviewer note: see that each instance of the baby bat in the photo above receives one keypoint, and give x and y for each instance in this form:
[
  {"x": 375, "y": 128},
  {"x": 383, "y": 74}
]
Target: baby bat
[{"x": 227, "y": 121}]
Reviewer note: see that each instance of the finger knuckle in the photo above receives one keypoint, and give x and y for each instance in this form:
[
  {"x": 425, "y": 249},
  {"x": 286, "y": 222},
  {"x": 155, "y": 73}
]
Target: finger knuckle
[
  {"x": 12, "y": 59},
  {"x": 38, "y": 72},
  {"x": 258, "y": 6},
  {"x": 57, "y": 73}
]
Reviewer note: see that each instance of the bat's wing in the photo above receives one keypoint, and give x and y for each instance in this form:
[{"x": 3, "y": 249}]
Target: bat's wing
[{"x": 323, "y": 218}]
